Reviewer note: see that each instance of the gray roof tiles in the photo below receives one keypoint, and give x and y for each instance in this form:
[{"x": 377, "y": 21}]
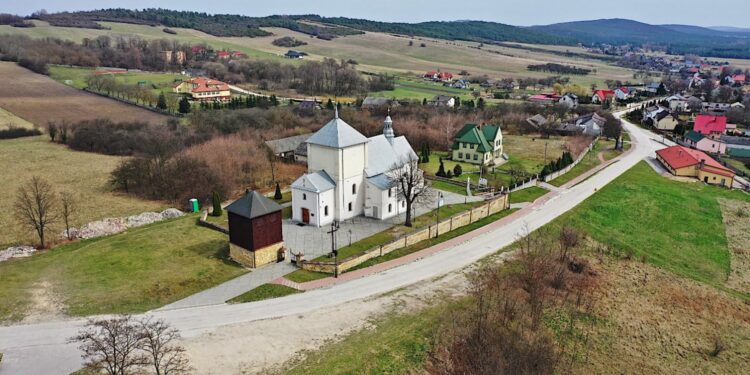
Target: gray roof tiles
[
  {"x": 337, "y": 134},
  {"x": 316, "y": 182},
  {"x": 252, "y": 205}
]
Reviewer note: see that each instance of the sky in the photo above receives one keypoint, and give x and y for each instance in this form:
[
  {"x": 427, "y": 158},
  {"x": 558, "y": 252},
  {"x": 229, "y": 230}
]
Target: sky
[{"x": 514, "y": 12}]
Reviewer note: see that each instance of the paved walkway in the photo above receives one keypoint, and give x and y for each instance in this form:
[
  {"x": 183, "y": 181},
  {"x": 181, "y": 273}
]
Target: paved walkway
[{"x": 547, "y": 186}]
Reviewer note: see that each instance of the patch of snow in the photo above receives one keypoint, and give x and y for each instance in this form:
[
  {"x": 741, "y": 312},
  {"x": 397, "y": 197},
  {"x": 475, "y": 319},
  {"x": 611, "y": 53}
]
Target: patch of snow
[{"x": 16, "y": 252}]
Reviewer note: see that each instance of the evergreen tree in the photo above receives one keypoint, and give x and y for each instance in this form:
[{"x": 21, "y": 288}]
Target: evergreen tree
[
  {"x": 329, "y": 104},
  {"x": 217, "y": 211},
  {"x": 457, "y": 101},
  {"x": 424, "y": 101},
  {"x": 184, "y": 105},
  {"x": 161, "y": 103},
  {"x": 457, "y": 170},
  {"x": 441, "y": 169},
  {"x": 277, "y": 195},
  {"x": 274, "y": 101},
  {"x": 480, "y": 103},
  {"x": 449, "y": 174}
]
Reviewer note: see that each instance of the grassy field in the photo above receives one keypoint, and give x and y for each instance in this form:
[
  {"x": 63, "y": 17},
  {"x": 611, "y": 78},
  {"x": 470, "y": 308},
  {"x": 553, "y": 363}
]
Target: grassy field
[
  {"x": 265, "y": 291},
  {"x": 589, "y": 161},
  {"x": 39, "y": 99},
  {"x": 527, "y": 195},
  {"x": 76, "y": 77},
  {"x": 738, "y": 164},
  {"x": 134, "y": 271},
  {"x": 375, "y": 52},
  {"x": 9, "y": 120},
  {"x": 674, "y": 225},
  {"x": 82, "y": 173}
]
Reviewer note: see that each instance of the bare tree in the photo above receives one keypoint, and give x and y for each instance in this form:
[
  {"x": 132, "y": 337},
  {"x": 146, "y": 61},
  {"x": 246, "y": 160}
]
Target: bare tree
[
  {"x": 36, "y": 206},
  {"x": 69, "y": 207},
  {"x": 111, "y": 345},
  {"x": 159, "y": 343},
  {"x": 410, "y": 185}
]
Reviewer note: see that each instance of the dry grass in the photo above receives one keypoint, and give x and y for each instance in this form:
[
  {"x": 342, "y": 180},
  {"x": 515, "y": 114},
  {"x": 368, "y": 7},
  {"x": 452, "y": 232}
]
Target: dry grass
[
  {"x": 653, "y": 322},
  {"x": 39, "y": 99},
  {"x": 736, "y": 217},
  {"x": 82, "y": 173},
  {"x": 9, "y": 120}
]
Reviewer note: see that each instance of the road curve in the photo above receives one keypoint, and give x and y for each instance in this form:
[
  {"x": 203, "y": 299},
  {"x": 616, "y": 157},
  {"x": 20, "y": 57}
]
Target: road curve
[{"x": 43, "y": 348}]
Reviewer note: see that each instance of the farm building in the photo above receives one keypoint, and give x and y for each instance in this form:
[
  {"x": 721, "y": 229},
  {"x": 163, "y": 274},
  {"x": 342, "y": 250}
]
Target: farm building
[
  {"x": 686, "y": 162},
  {"x": 284, "y": 148},
  {"x": 255, "y": 236}
]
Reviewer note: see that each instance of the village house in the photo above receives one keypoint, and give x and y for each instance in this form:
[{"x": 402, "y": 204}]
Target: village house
[
  {"x": 442, "y": 101},
  {"x": 678, "y": 103},
  {"x": 255, "y": 234},
  {"x": 686, "y": 162},
  {"x": 700, "y": 142},
  {"x": 292, "y": 54},
  {"x": 624, "y": 93},
  {"x": 591, "y": 124},
  {"x": 349, "y": 175},
  {"x": 601, "y": 96},
  {"x": 203, "y": 89},
  {"x": 439, "y": 76},
  {"x": 459, "y": 84},
  {"x": 477, "y": 144},
  {"x": 284, "y": 148},
  {"x": 569, "y": 100},
  {"x": 736, "y": 143},
  {"x": 662, "y": 119},
  {"x": 545, "y": 98},
  {"x": 710, "y": 126}
]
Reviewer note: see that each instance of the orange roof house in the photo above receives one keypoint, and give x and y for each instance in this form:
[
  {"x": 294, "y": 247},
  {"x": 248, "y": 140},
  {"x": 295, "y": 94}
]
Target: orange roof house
[
  {"x": 204, "y": 89},
  {"x": 686, "y": 162}
]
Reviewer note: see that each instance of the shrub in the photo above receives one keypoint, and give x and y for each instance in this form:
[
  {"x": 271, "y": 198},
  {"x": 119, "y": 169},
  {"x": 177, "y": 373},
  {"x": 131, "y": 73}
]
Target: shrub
[
  {"x": 169, "y": 31},
  {"x": 217, "y": 210},
  {"x": 288, "y": 41},
  {"x": 18, "y": 133},
  {"x": 457, "y": 170}
]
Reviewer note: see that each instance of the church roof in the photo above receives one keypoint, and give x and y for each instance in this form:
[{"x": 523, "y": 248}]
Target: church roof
[
  {"x": 380, "y": 181},
  {"x": 316, "y": 182},
  {"x": 253, "y": 205},
  {"x": 337, "y": 134},
  {"x": 383, "y": 157}
]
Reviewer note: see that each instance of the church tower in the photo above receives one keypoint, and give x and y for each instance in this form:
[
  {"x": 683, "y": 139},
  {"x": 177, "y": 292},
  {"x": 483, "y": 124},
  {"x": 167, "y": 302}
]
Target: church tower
[{"x": 388, "y": 128}]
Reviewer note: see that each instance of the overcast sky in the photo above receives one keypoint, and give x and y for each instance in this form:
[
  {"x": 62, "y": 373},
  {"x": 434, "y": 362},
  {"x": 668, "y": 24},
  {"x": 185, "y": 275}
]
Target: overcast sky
[{"x": 514, "y": 12}]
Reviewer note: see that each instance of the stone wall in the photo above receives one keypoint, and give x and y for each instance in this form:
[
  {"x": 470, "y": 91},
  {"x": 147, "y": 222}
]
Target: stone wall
[
  {"x": 257, "y": 258},
  {"x": 457, "y": 221}
]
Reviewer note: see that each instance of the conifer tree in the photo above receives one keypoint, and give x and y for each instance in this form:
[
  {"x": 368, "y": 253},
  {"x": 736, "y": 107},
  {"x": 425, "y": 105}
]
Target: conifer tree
[{"x": 217, "y": 211}]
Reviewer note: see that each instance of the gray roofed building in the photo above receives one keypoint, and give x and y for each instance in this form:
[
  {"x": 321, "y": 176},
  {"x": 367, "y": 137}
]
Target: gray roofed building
[
  {"x": 742, "y": 142},
  {"x": 285, "y": 147},
  {"x": 382, "y": 156},
  {"x": 536, "y": 121},
  {"x": 316, "y": 182},
  {"x": 252, "y": 205},
  {"x": 337, "y": 134},
  {"x": 378, "y": 102}
]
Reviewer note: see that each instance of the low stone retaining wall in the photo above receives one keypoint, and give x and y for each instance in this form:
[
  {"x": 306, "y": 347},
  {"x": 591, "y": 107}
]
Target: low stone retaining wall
[{"x": 492, "y": 207}]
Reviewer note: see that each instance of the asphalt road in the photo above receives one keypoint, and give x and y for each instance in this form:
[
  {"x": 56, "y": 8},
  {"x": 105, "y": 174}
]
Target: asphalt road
[{"x": 43, "y": 348}]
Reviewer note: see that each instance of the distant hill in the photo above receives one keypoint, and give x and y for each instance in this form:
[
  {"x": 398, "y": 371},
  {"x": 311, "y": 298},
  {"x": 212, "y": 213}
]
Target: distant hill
[
  {"x": 741, "y": 30},
  {"x": 675, "y": 38},
  {"x": 707, "y": 31}
]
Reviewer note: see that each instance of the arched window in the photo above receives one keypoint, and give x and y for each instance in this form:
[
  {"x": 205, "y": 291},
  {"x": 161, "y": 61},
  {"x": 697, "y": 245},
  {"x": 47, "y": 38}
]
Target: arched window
[
  {"x": 350, "y": 206},
  {"x": 354, "y": 188},
  {"x": 325, "y": 211},
  {"x": 390, "y": 192},
  {"x": 390, "y": 207},
  {"x": 304, "y": 196}
]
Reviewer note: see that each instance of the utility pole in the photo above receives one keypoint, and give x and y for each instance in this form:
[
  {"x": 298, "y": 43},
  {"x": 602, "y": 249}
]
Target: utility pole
[
  {"x": 332, "y": 232},
  {"x": 437, "y": 216}
]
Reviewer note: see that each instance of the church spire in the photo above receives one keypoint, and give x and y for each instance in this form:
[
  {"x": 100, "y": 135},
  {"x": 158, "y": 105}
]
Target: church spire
[
  {"x": 388, "y": 127},
  {"x": 335, "y": 110}
]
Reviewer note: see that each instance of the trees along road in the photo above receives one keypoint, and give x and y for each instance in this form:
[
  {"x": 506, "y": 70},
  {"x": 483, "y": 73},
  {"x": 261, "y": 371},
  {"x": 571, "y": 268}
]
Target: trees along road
[{"x": 42, "y": 348}]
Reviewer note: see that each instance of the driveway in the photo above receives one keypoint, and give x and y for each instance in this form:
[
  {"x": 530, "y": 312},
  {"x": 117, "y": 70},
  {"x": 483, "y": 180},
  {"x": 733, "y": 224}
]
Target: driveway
[{"x": 42, "y": 348}]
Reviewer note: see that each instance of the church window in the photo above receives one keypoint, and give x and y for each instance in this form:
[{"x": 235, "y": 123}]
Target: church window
[
  {"x": 390, "y": 192},
  {"x": 390, "y": 207},
  {"x": 350, "y": 206},
  {"x": 354, "y": 188},
  {"x": 325, "y": 211},
  {"x": 304, "y": 196}
]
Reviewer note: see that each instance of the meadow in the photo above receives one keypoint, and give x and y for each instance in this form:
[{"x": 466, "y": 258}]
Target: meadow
[
  {"x": 84, "y": 174},
  {"x": 9, "y": 120},
  {"x": 76, "y": 77}
]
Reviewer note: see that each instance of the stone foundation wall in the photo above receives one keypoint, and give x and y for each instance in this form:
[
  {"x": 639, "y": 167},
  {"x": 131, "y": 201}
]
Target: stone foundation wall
[{"x": 257, "y": 258}]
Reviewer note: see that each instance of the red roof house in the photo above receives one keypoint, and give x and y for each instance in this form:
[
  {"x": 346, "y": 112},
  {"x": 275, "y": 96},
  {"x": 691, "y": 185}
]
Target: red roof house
[
  {"x": 683, "y": 161},
  {"x": 439, "y": 76},
  {"x": 545, "y": 98},
  {"x": 710, "y": 125},
  {"x": 600, "y": 96},
  {"x": 223, "y": 54}
]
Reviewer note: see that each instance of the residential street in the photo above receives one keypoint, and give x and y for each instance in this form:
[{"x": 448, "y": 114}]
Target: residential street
[{"x": 43, "y": 349}]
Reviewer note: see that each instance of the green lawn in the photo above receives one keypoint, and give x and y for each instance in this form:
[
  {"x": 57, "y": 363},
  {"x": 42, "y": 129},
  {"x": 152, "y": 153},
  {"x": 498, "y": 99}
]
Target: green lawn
[
  {"x": 131, "y": 272},
  {"x": 433, "y": 241},
  {"x": 441, "y": 185},
  {"x": 265, "y": 291},
  {"x": 303, "y": 276},
  {"x": 76, "y": 77},
  {"x": 527, "y": 195},
  {"x": 674, "y": 225},
  {"x": 386, "y": 236},
  {"x": 738, "y": 164},
  {"x": 416, "y": 88},
  {"x": 589, "y": 161}
]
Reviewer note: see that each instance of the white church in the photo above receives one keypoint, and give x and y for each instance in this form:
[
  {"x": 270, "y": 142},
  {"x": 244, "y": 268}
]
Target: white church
[{"x": 347, "y": 175}]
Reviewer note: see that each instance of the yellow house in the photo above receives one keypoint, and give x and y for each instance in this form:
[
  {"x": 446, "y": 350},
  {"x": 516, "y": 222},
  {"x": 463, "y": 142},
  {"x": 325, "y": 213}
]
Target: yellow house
[
  {"x": 686, "y": 162},
  {"x": 203, "y": 89},
  {"x": 475, "y": 144}
]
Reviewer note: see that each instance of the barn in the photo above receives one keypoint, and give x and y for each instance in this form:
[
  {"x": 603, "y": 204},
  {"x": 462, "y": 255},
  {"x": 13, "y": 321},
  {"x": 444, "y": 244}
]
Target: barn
[{"x": 255, "y": 236}]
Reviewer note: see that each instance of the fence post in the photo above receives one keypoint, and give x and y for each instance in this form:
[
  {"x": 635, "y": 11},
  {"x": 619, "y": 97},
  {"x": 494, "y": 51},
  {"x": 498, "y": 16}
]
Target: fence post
[{"x": 381, "y": 250}]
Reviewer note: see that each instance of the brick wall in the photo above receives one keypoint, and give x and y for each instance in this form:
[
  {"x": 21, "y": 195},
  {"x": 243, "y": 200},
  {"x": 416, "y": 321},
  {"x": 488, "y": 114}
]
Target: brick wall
[{"x": 257, "y": 258}]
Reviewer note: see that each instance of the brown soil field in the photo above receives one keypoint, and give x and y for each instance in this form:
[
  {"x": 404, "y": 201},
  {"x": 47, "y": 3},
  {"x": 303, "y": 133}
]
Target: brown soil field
[{"x": 39, "y": 99}]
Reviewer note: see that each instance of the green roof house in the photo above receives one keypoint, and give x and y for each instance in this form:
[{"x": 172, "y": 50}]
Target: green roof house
[{"x": 479, "y": 144}]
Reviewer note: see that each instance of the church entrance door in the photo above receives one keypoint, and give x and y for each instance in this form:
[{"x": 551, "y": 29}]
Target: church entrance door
[{"x": 306, "y": 216}]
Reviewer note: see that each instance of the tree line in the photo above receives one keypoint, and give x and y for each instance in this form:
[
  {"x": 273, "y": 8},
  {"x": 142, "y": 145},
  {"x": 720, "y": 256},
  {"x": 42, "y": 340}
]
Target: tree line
[{"x": 558, "y": 68}]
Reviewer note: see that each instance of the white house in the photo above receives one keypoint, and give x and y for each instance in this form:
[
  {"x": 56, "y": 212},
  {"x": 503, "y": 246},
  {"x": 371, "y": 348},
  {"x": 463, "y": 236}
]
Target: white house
[{"x": 348, "y": 175}]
